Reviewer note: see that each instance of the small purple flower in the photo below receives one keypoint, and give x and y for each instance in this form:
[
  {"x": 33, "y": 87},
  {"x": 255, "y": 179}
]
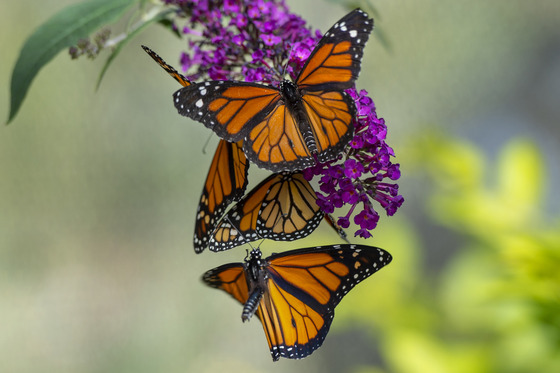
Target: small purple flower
[
  {"x": 230, "y": 6},
  {"x": 325, "y": 204},
  {"x": 344, "y": 222},
  {"x": 271, "y": 39},
  {"x": 367, "y": 218},
  {"x": 364, "y": 233},
  {"x": 357, "y": 142},
  {"x": 253, "y": 12},
  {"x": 238, "y": 39},
  {"x": 239, "y": 21},
  {"x": 353, "y": 169},
  {"x": 300, "y": 51},
  {"x": 350, "y": 196}
]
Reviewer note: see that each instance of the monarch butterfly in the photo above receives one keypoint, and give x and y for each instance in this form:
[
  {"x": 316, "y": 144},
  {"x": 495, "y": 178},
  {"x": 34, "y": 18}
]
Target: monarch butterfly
[
  {"x": 282, "y": 207},
  {"x": 291, "y": 127},
  {"x": 294, "y": 293},
  {"x": 226, "y": 180}
]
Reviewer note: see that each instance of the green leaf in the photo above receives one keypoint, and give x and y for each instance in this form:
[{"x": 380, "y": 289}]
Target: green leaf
[
  {"x": 158, "y": 18},
  {"x": 59, "y": 32},
  {"x": 168, "y": 24}
]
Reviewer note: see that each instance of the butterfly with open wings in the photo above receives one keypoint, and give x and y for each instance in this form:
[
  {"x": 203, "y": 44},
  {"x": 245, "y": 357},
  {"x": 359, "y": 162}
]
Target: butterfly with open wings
[
  {"x": 294, "y": 293},
  {"x": 299, "y": 123}
]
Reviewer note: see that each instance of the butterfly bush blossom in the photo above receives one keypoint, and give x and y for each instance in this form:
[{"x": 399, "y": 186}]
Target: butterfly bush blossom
[{"x": 261, "y": 41}]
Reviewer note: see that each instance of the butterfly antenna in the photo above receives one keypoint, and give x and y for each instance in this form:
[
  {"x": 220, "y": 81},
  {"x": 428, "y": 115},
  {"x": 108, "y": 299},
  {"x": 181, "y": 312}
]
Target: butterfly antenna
[
  {"x": 243, "y": 239},
  {"x": 285, "y": 65}
]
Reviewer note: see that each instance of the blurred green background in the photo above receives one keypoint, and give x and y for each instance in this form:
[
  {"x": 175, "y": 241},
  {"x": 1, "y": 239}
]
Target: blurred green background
[{"x": 98, "y": 193}]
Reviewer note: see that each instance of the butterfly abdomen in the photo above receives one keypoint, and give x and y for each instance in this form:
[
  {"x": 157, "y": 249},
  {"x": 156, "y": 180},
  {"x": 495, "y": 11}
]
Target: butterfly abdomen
[
  {"x": 251, "y": 305},
  {"x": 293, "y": 100}
]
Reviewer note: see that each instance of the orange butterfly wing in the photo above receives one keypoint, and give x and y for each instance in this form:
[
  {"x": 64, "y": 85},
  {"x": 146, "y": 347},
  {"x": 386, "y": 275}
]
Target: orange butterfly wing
[
  {"x": 335, "y": 62},
  {"x": 300, "y": 289},
  {"x": 277, "y": 142},
  {"x": 229, "y": 278},
  {"x": 282, "y": 207},
  {"x": 226, "y": 107},
  {"x": 226, "y": 182}
]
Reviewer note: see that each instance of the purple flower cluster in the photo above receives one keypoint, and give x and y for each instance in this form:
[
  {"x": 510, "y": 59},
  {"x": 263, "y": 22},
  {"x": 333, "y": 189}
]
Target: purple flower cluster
[
  {"x": 261, "y": 41},
  {"x": 253, "y": 41},
  {"x": 365, "y": 172}
]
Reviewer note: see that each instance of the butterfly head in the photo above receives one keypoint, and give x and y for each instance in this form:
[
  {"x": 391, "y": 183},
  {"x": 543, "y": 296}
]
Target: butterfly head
[
  {"x": 255, "y": 254},
  {"x": 290, "y": 93}
]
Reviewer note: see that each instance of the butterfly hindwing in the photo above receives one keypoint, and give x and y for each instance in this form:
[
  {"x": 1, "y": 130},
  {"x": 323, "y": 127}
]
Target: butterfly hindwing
[
  {"x": 289, "y": 210},
  {"x": 226, "y": 182},
  {"x": 331, "y": 116},
  {"x": 278, "y": 142},
  {"x": 300, "y": 289}
]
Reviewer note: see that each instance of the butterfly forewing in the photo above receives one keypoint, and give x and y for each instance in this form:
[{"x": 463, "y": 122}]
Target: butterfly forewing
[
  {"x": 170, "y": 70},
  {"x": 226, "y": 182},
  {"x": 229, "y": 108},
  {"x": 229, "y": 278},
  {"x": 335, "y": 63},
  {"x": 327, "y": 274}
]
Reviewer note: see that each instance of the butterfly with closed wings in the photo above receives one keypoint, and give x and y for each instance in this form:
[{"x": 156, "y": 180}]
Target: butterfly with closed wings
[
  {"x": 294, "y": 293},
  {"x": 293, "y": 126},
  {"x": 283, "y": 207}
]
